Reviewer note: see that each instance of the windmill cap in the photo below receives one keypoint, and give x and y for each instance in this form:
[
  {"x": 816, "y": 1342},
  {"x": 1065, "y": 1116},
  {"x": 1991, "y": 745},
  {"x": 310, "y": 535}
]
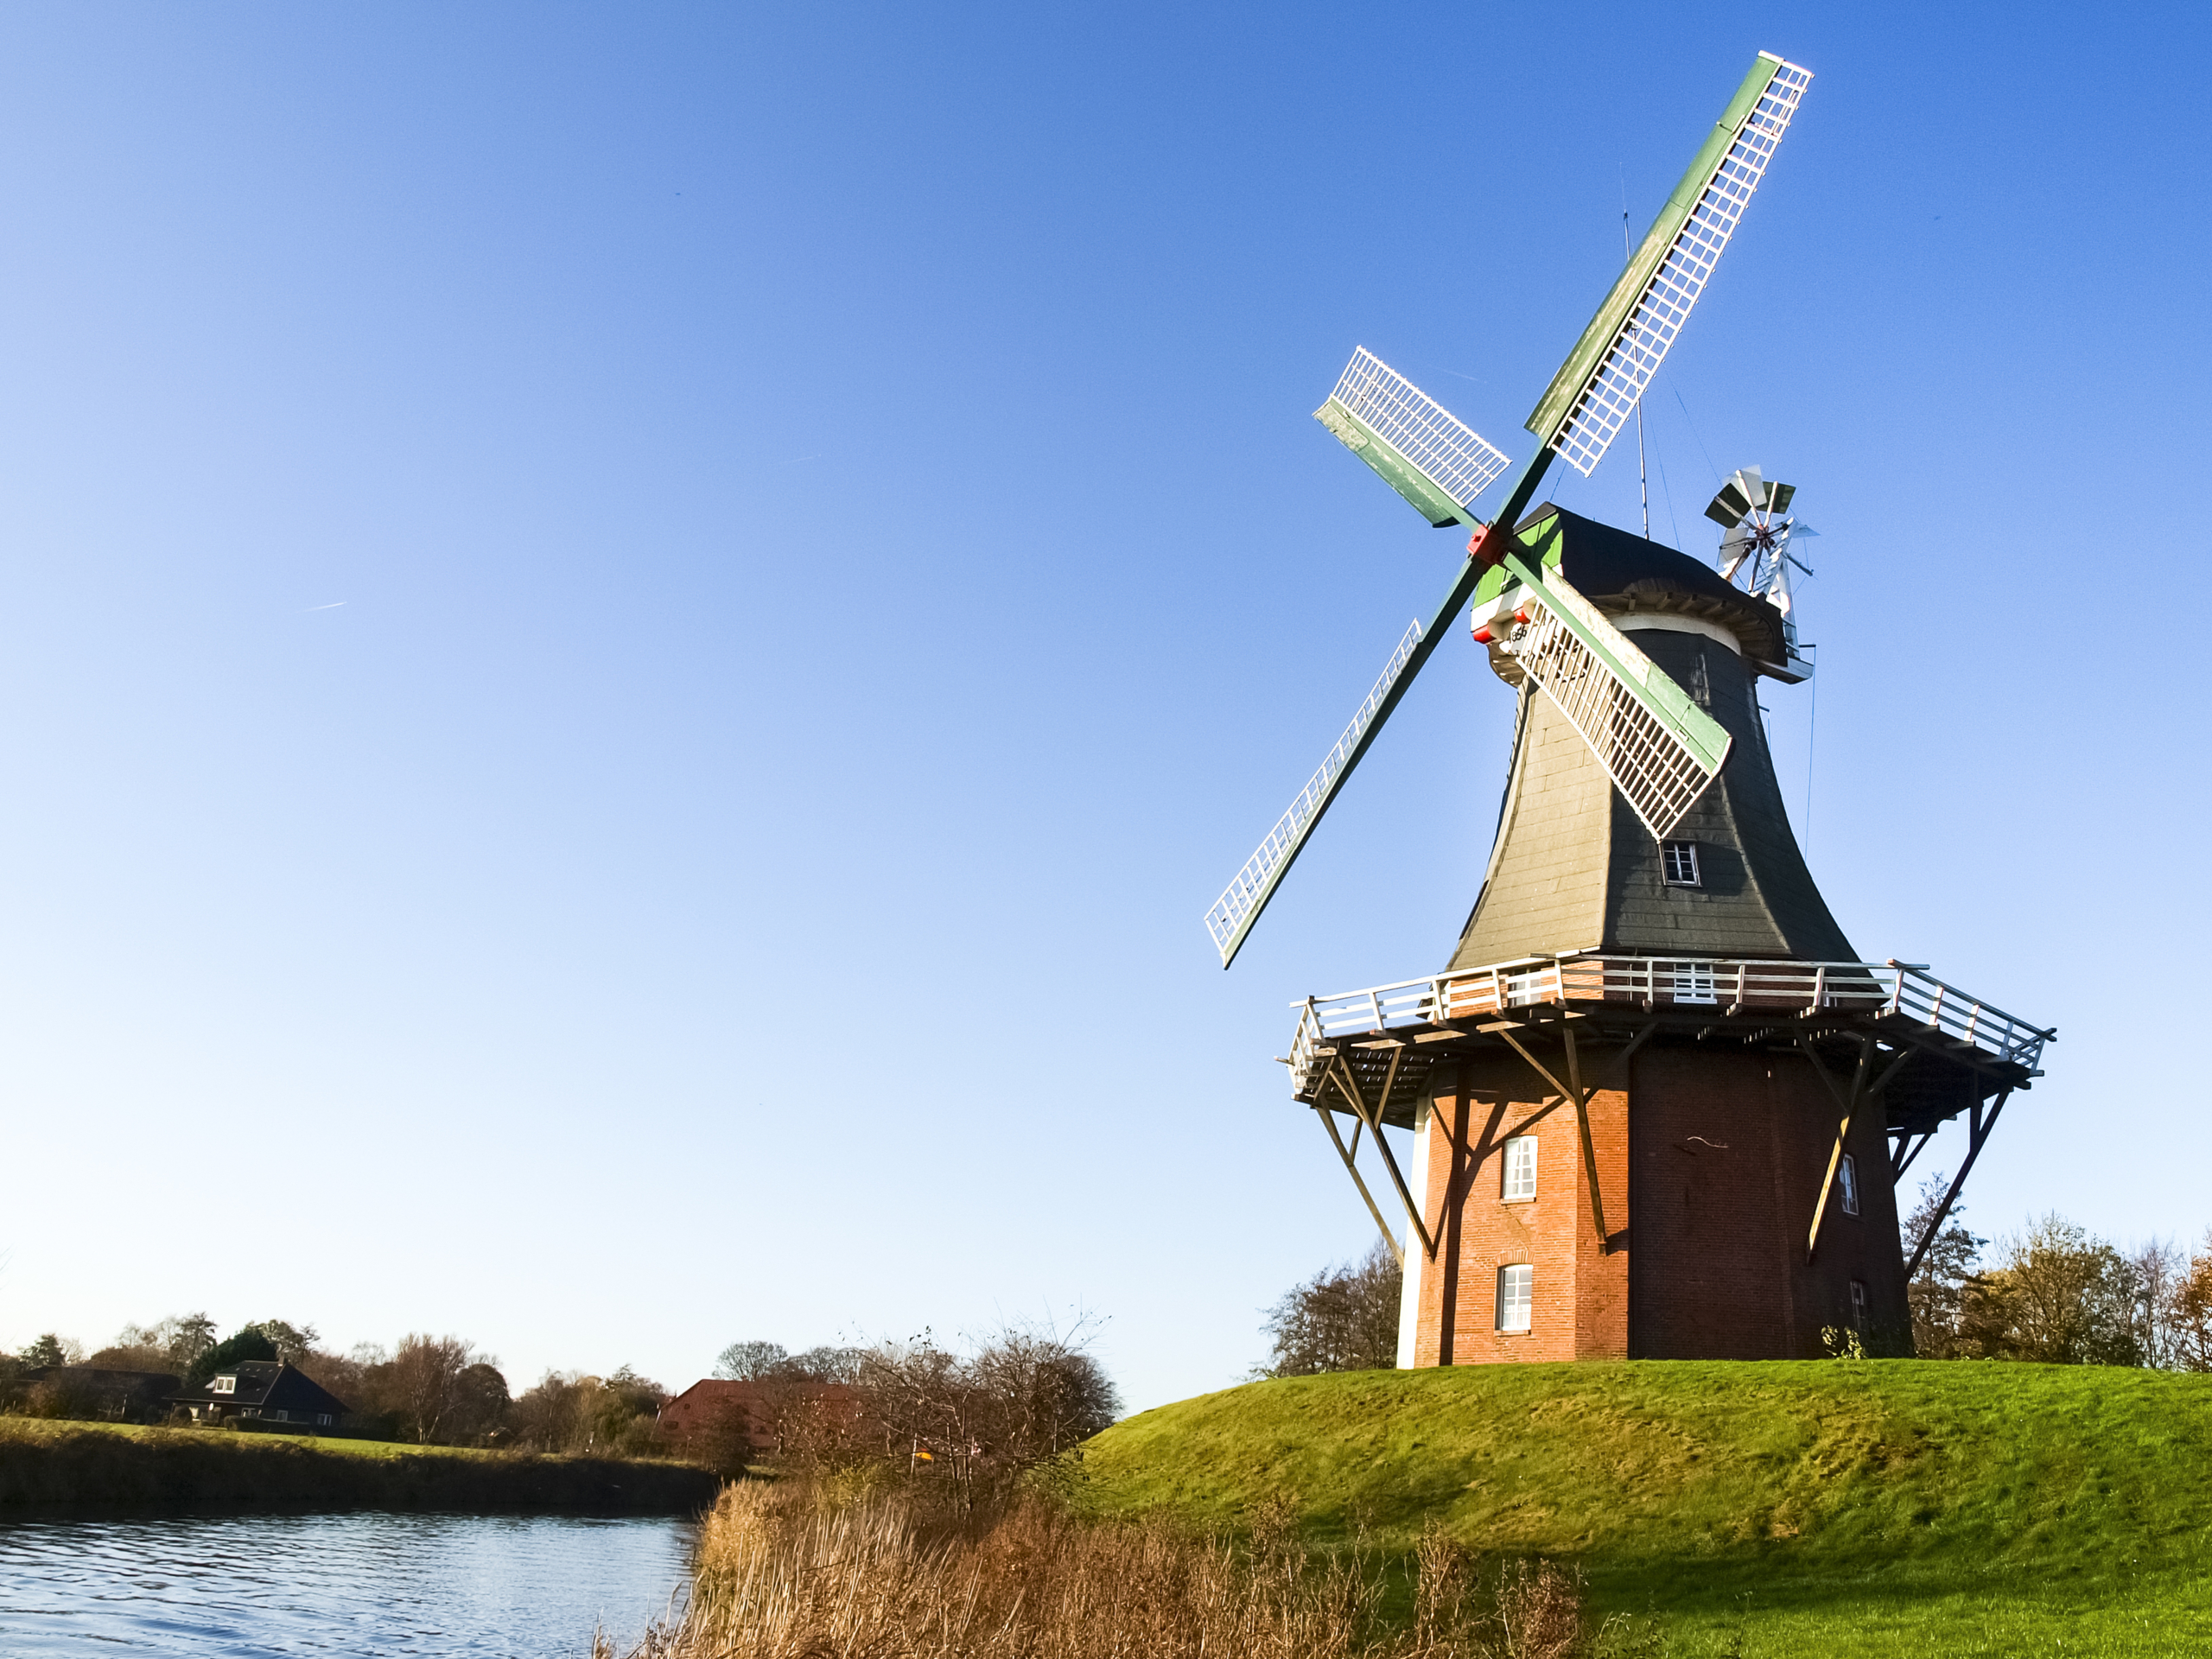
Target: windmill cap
[{"x": 1623, "y": 574}]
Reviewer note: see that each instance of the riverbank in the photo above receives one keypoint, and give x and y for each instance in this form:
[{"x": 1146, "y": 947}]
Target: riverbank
[{"x": 49, "y": 1468}]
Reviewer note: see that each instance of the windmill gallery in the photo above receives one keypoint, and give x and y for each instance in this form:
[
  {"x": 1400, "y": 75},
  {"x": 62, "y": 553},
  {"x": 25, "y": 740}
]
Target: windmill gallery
[{"x": 1659, "y": 1105}]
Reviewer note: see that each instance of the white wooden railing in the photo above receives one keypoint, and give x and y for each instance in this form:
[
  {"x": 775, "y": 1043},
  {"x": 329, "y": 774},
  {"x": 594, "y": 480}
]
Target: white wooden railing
[{"x": 1730, "y": 988}]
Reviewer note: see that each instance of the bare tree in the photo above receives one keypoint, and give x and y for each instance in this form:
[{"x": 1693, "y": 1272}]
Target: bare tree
[
  {"x": 421, "y": 1381},
  {"x": 1039, "y": 1392},
  {"x": 825, "y": 1364},
  {"x": 2160, "y": 1271},
  {"x": 747, "y": 1362},
  {"x": 1342, "y": 1319},
  {"x": 292, "y": 1342},
  {"x": 1022, "y": 1395}
]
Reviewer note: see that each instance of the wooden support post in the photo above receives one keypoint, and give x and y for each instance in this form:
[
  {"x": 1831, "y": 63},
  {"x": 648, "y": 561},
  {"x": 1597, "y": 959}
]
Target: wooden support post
[
  {"x": 1848, "y": 1104},
  {"x": 1978, "y": 1129},
  {"x": 1329, "y": 1122},
  {"x": 1589, "y": 1151},
  {"x": 1908, "y": 1149},
  {"x": 1574, "y": 1091},
  {"x": 1349, "y": 1088}
]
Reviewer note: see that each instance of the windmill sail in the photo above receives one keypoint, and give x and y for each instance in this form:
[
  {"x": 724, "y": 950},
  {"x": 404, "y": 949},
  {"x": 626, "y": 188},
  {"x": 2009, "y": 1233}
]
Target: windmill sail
[
  {"x": 1242, "y": 902},
  {"x": 1657, "y": 746},
  {"x": 1621, "y": 350},
  {"x": 1422, "y": 450}
]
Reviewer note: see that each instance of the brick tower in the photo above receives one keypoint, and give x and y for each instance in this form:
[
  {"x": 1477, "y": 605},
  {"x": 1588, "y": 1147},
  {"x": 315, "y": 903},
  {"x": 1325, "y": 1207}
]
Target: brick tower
[{"x": 1658, "y": 1105}]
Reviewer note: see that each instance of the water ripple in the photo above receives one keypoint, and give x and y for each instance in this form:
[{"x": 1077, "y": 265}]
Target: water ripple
[{"x": 483, "y": 1586}]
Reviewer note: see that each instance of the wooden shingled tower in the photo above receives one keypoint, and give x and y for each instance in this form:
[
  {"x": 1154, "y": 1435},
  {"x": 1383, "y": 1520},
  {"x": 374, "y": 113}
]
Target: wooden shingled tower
[{"x": 1658, "y": 1104}]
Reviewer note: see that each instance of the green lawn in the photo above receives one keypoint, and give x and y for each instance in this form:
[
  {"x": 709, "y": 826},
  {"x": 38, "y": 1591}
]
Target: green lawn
[{"x": 1885, "y": 1507}]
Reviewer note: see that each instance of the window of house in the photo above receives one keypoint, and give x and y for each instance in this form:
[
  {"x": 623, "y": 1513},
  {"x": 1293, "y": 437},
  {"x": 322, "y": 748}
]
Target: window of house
[
  {"x": 1858, "y": 1305},
  {"x": 1520, "y": 1167},
  {"x": 249, "y": 1411},
  {"x": 1678, "y": 863},
  {"x": 1848, "y": 1179},
  {"x": 322, "y": 1419},
  {"x": 1516, "y": 1295},
  {"x": 223, "y": 1385}
]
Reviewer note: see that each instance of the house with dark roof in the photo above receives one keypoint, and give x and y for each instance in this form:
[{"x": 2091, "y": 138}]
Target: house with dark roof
[{"x": 263, "y": 1392}]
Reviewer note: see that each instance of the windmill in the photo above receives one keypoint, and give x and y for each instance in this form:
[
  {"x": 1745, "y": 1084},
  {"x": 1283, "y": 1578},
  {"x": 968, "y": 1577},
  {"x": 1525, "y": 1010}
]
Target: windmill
[
  {"x": 1756, "y": 547},
  {"x": 1653, "y": 742},
  {"x": 1650, "y": 1011}
]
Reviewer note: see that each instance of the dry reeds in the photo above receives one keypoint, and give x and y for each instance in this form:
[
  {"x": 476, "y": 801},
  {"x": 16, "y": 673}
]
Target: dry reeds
[{"x": 796, "y": 1574}]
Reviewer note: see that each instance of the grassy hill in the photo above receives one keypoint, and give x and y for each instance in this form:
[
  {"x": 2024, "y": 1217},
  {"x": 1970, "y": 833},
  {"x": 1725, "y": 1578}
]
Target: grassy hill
[
  {"x": 1882, "y": 1507},
  {"x": 46, "y": 1465}
]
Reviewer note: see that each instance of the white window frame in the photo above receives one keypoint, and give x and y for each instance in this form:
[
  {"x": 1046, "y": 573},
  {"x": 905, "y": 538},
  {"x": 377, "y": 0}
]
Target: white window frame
[
  {"x": 1848, "y": 1183},
  {"x": 1516, "y": 1298},
  {"x": 1678, "y": 864},
  {"x": 223, "y": 1385},
  {"x": 1518, "y": 1178},
  {"x": 1688, "y": 981}
]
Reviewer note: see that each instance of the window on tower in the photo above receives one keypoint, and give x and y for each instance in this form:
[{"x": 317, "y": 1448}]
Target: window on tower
[
  {"x": 1678, "y": 863},
  {"x": 1847, "y": 1180},
  {"x": 1516, "y": 1294},
  {"x": 1519, "y": 1168},
  {"x": 1858, "y": 1305}
]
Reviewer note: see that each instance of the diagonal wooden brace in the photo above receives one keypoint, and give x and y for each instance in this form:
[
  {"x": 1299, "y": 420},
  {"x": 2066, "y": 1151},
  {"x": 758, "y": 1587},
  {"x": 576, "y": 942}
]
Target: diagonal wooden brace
[
  {"x": 1978, "y": 1129},
  {"x": 1848, "y": 1104},
  {"x": 1329, "y": 1122},
  {"x": 1340, "y": 1074},
  {"x": 1574, "y": 1091},
  {"x": 1589, "y": 1151}
]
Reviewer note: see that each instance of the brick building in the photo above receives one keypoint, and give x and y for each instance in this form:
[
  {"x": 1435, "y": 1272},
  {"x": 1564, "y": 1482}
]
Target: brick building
[{"x": 1659, "y": 1104}]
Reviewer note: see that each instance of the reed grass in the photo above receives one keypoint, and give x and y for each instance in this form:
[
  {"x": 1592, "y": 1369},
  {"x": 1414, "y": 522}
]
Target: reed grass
[{"x": 785, "y": 1573}]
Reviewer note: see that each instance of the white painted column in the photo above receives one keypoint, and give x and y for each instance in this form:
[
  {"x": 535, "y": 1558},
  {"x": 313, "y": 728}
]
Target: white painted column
[{"x": 1409, "y": 1294}]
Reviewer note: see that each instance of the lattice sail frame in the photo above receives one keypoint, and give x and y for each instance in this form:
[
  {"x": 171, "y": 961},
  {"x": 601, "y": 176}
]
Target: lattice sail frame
[
  {"x": 1661, "y": 750},
  {"x": 1396, "y": 428},
  {"x": 1694, "y": 228},
  {"x": 1232, "y": 913}
]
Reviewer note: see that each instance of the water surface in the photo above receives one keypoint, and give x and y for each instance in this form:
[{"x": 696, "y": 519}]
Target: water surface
[{"x": 366, "y": 1584}]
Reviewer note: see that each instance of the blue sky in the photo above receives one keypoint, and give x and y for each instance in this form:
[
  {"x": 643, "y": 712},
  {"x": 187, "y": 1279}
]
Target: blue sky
[{"x": 631, "y": 638}]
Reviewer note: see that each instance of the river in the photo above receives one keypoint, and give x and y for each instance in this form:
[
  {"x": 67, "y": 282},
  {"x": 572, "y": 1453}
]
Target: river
[{"x": 500, "y": 1587}]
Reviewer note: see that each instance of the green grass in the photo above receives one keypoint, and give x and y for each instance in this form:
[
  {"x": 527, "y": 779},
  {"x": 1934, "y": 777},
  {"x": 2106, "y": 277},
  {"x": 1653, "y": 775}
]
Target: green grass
[
  {"x": 50, "y": 1464},
  {"x": 1886, "y": 1507}
]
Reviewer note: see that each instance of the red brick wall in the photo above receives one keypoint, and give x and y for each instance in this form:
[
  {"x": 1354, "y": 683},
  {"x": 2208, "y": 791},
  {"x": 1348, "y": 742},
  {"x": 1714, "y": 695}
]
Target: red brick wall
[
  {"x": 1717, "y": 1155},
  {"x": 1582, "y": 1292},
  {"x": 1728, "y": 1151}
]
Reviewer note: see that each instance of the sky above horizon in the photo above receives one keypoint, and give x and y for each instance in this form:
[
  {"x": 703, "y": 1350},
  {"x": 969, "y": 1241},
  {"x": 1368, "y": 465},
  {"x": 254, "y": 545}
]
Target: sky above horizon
[{"x": 631, "y": 639}]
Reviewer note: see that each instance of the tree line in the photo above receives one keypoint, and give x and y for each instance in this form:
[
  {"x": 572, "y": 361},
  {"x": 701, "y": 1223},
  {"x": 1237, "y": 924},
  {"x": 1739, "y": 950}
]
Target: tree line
[
  {"x": 973, "y": 1414},
  {"x": 975, "y": 1417},
  {"x": 2055, "y": 1292},
  {"x": 434, "y": 1390},
  {"x": 2052, "y": 1292}
]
